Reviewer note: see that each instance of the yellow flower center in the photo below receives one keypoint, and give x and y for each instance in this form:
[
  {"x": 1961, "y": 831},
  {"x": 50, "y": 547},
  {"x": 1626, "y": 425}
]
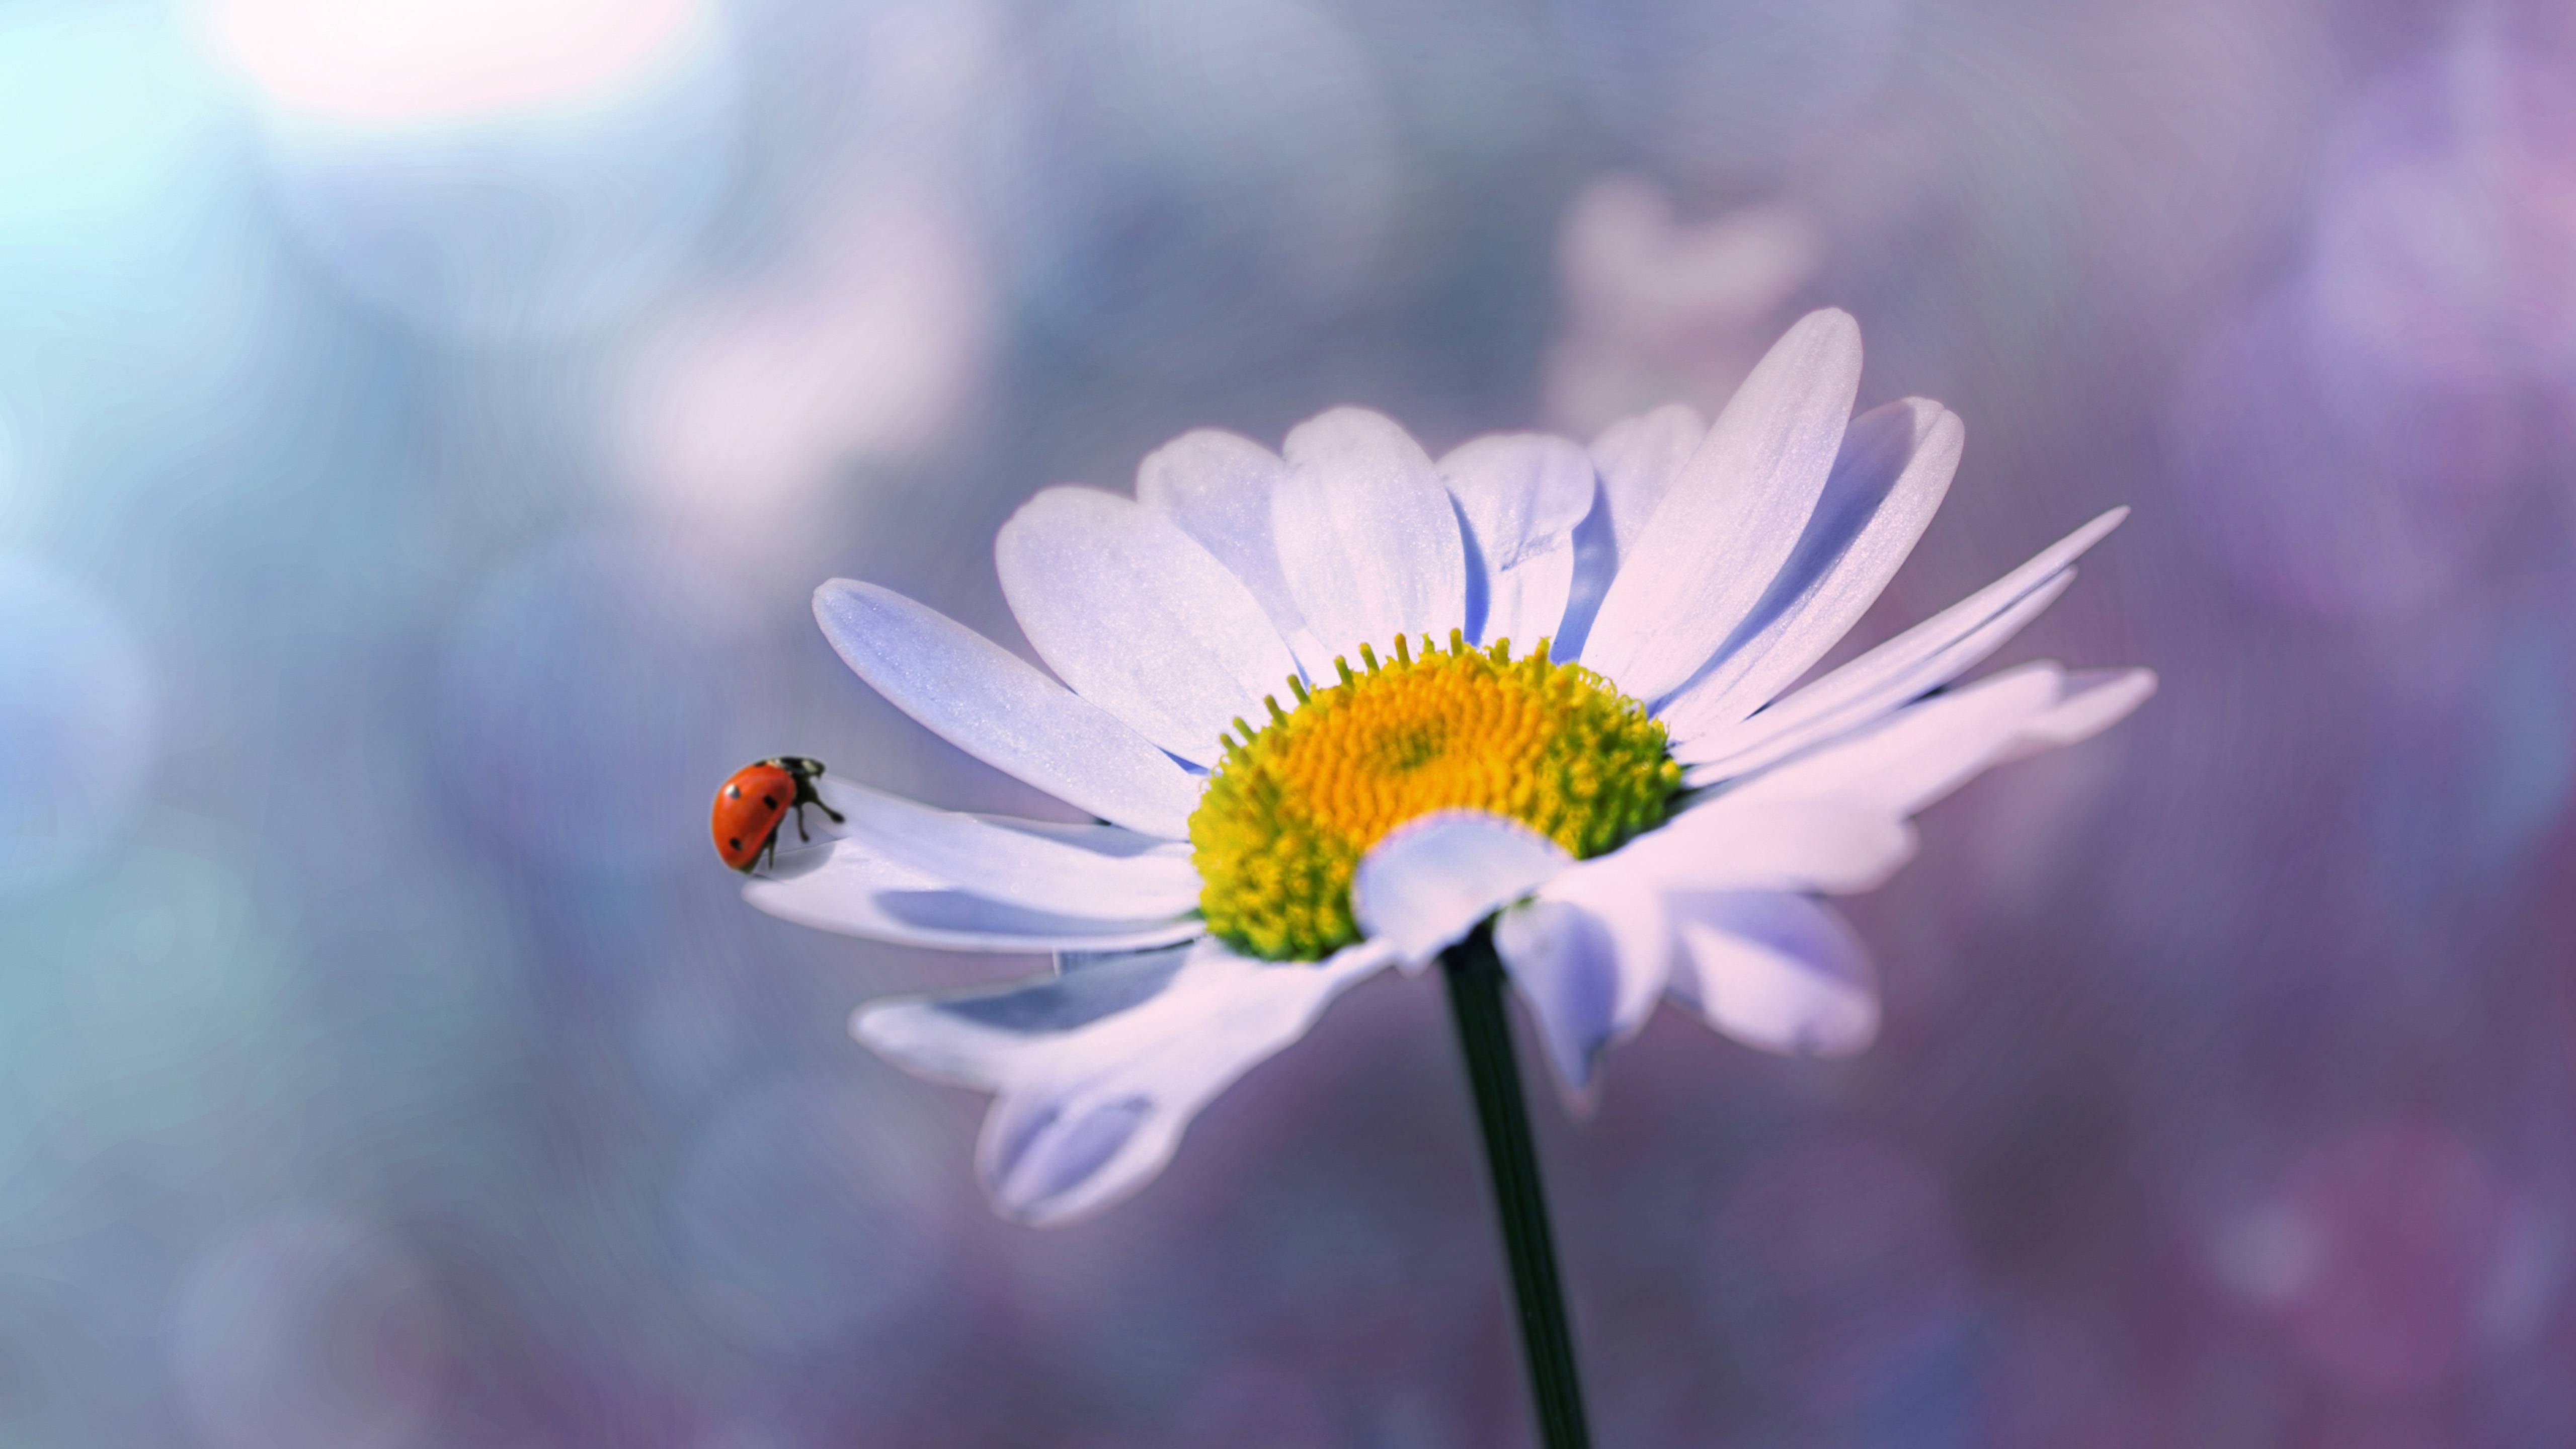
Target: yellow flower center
[{"x": 1294, "y": 805}]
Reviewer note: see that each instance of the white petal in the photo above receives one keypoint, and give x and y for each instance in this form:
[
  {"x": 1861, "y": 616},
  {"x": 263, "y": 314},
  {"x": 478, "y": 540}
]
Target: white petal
[
  {"x": 1071, "y": 870},
  {"x": 1775, "y": 971},
  {"x": 1796, "y": 724},
  {"x": 995, "y": 706},
  {"x": 1589, "y": 954},
  {"x": 1564, "y": 965},
  {"x": 1729, "y": 521},
  {"x": 848, "y": 887},
  {"x": 2093, "y": 701},
  {"x": 1922, "y": 658},
  {"x": 988, "y": 1037},
  {"x": 1630, "y": 907},
  {"x": 1596, "y": 562},
  {"x": 1367, "y": 536},
  {"x": 1635, "y": 461},
  {"x": 1522, "y": 496},
  {"x": 1217, "y": 487},
  {"x": 1099, "y": 1071},
  {"x": 1895, "y": 466},
  {"x": 1430, "y": 880},
  {"x": 1823, "y": 732},
  {"x": 1829, "y": 845},
  {"x": 1930, "y": 749},
  {"x": 1638, "y": 458},
  {"x": 1138, "y": 618}
]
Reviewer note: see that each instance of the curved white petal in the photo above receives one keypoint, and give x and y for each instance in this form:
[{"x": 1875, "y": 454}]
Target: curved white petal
[
  {"x": 1894, "y": 468},
  {"x": 1638, "y": 458},
  {"x": 1630, "y": 907},
  {"x": 1832, "y": 845},
  {"x": 1728, "y": 522},
  {"x": 2093, "y": 700},
  {"x": 1367, "y": 537},
  {"x": 1596, "y": 562},
  {"x": 1564, "y": 965},
  {"x": 1138, "y": 618},
  {"x": 1522, "y": 496},
  {"x": 1926, "y": 750},
  {"x": 1919, "y": 753},
  {"x": 988, "y": 1037},
  {"x": 1768, "y": 742},
  {"x": 1071, "y": 870},
  {"x": 997, "y": 707},
  {"x": 1922, "y": 658},
  {"x": 1635, "y": 461},
  {"x": 1217, "y": 487},
  {"x": 1430, "y": 880},
  {"x": 1589, "y": 954},
  {"x": 1776, "y": 971},
  {"x": 1100, "y": 1070},
  {"x": 849, "y": 887}
]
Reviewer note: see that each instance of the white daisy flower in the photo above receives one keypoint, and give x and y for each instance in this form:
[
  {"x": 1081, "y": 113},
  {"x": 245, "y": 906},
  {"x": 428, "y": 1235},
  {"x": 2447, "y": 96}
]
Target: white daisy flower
[{"x": 1337, "y": 708}]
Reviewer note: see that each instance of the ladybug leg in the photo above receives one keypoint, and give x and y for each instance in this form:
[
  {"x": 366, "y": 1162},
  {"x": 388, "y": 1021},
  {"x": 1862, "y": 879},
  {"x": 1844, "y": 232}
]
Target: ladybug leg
[{"x": 806, "y": 795}]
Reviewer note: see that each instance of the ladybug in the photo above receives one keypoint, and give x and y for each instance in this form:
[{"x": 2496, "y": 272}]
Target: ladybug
[{"x": 755, "y": 802}]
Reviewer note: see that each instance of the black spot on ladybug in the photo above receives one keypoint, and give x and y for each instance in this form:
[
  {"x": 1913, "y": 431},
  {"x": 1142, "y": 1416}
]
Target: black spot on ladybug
[
  {"x": 769, "y": 800},
  {"x": 734, "y": 844}
]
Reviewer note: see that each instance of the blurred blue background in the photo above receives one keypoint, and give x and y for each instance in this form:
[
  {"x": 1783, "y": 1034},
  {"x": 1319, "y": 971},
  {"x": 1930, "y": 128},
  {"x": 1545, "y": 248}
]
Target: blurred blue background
[{"x": 422, "y": 422}]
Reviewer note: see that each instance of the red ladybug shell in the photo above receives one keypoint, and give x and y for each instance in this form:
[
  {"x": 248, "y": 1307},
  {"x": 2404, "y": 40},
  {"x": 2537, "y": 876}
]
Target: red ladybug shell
[
  {"x": 747, "y": 811},
  {"x": 752, "y": 804}
]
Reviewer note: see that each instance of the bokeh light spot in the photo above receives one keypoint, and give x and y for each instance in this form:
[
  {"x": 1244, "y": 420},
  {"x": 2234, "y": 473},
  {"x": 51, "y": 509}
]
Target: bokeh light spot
[
  {"x": 102, "y": 121},
  {"x": 517, "y": 226},
  {"x": 392, "y": 61},
  {"x": 2383, "y": 1248}
]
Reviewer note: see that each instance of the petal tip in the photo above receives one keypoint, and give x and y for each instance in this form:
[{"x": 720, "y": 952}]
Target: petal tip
[
  {"x": 1337, "y": 422},
  {"x": 1845, "y": 1040},
  {"x": 1826, "y": 320},
  {"x": 877, "y": 1025},
  {"x": 1828, "y": 336},
  {"x": 1582, "y": 1100},
  {"x": 833, "y": 589}
]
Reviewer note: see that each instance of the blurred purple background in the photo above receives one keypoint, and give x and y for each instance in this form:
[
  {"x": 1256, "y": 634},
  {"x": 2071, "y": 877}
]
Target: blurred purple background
[{"x": 422, "y": 422}]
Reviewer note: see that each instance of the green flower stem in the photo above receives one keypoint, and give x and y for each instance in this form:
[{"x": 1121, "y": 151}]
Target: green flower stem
[{"x": 1475, "y": 977}]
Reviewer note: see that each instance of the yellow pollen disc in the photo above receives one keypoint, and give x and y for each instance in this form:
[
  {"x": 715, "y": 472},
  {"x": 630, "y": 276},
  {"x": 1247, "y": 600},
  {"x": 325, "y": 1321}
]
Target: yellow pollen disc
[{"x": 1294, "y": 805}]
